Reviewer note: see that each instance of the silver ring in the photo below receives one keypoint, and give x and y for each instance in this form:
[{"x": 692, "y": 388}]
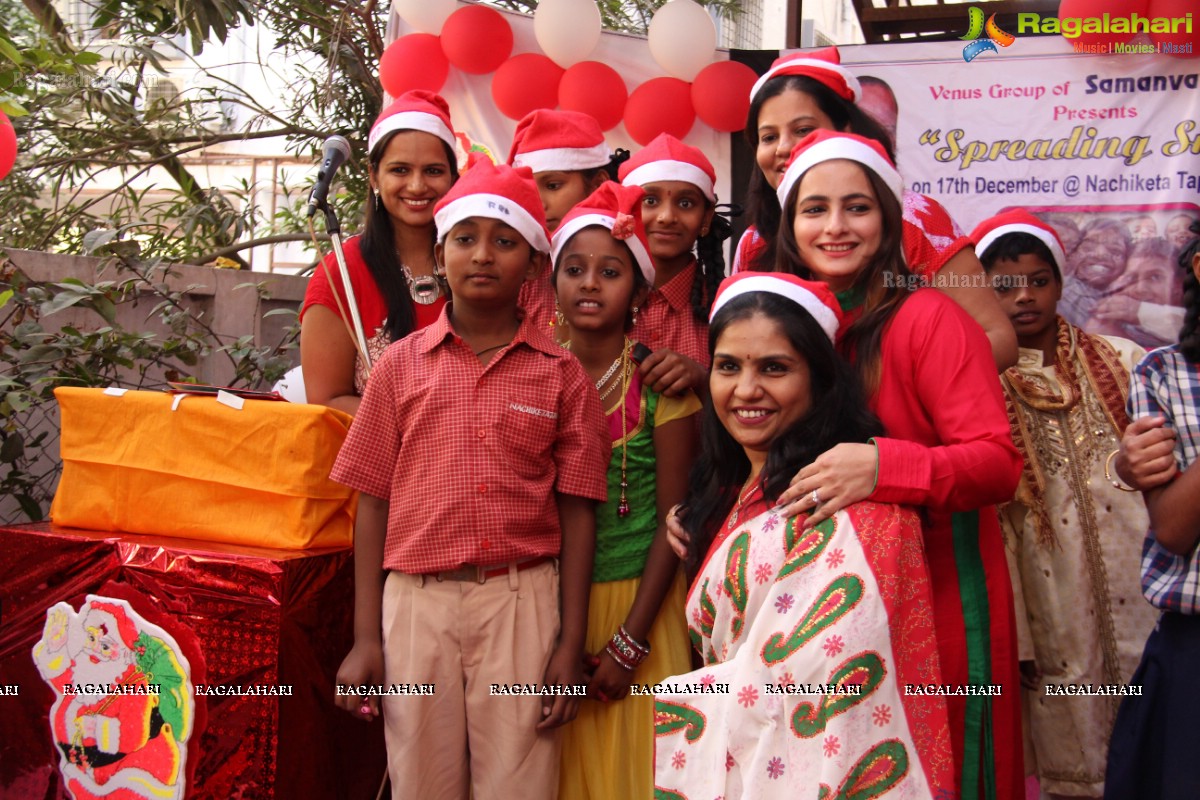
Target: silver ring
[{"x": 816, "y": 498}]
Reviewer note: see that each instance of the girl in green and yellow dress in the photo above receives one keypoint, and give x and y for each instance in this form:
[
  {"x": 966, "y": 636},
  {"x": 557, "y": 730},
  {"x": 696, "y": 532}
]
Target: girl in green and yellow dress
[{"x": 636, "y": 629}]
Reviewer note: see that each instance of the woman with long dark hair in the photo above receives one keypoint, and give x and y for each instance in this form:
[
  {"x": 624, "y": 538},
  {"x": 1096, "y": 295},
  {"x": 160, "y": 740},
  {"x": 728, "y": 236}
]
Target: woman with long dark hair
[
  {"x": 412, "y": 164},
  {"x": 928, "y": 372},
  {"x": 803, "y": 92},
  {"x": 812, "y": 640}
]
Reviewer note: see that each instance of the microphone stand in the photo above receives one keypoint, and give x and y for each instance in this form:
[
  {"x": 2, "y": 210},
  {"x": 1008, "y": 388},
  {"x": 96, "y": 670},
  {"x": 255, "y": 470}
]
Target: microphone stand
[{"x": 334, "y": 229}]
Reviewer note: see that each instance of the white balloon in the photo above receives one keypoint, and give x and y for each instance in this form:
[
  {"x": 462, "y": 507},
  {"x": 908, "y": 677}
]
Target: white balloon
[
  {"x": 683, "y": 38},
  {"x": 427, "y": 16},
  {"x": 567, "y": 30}
]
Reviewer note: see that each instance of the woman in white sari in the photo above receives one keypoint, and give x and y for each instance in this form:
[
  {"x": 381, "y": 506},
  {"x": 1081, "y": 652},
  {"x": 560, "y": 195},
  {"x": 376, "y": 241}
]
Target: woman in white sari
[{"x": 821, "y": 673}]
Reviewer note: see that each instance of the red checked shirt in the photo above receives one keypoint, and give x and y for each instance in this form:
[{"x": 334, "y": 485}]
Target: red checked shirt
[
  {"x": 666, "y": 320},
  {"x": 470, "y": 457}
]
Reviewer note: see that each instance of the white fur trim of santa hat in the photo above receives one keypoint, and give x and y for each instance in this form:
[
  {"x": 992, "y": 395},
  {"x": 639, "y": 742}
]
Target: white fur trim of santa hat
[
  {"x": 1018, "y": 221},
  {"x": 823, "y": 66},
  {"x": 823, "y": 145},
  {"x": 813, "y": 296},
  {"x": 492, "y": 206},
  {"x": 573, "y": 225}
]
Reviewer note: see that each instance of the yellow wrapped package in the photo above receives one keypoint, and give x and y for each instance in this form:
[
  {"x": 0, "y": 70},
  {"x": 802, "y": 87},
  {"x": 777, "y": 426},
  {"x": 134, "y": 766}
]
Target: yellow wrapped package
[{"x": 258, "y": 475}]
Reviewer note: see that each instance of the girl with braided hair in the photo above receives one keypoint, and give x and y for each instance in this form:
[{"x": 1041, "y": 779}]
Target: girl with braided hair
[{"x": 685, "y": 236}]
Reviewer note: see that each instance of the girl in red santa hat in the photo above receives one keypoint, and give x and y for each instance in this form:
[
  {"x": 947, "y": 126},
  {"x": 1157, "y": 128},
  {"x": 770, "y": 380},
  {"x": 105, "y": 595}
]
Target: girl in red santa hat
[
  {"x": 636, "y": 631},
  {"x": 685, "y": 236},
  {"x": 570, "y": 159}
]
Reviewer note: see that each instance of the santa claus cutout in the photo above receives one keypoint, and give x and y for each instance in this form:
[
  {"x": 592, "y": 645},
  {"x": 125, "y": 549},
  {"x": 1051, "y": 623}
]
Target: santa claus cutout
[{"x": 123, "y": 707}]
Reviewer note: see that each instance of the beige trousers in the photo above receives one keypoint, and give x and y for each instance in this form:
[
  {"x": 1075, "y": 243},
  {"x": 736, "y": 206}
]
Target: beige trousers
[{"x": 463, "y": 637}]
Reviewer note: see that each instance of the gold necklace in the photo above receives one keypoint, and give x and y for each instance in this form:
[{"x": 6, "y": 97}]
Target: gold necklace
[
  {"x": 746, "y": 492},
  {"x": 626, "y": 376}
]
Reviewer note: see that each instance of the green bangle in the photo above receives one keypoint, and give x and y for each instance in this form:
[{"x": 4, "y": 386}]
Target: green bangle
[{"x": 875, "y": 483}]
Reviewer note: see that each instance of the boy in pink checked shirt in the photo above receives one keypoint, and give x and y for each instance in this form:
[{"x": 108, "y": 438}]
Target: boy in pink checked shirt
[{"x": 479, "y": 452}]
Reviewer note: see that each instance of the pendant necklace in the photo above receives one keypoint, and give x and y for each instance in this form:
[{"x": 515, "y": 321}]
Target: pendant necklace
[
  {"x": 733, "y": 518},
  {"x": 423, "y": 288}
]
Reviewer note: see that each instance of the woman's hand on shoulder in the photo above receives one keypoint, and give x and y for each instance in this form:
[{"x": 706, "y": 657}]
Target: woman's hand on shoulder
[
  {"x": 677, "y": 537},
  {"x": 838, "y": 477},
  {"x": 671, "y": 373}
]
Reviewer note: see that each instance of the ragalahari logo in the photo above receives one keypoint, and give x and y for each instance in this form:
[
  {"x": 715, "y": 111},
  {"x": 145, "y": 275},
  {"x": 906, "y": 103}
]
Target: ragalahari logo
[{"x": 991, "y": 33}]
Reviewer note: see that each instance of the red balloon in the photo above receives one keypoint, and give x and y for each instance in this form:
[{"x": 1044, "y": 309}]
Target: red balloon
[
  {"x": 525, "y": 83},
  {"x": 8, "y": 146},
  {"x": 1082, "y": 9},
  {"x": 660, "y": 105},
  {"x": 1180, "y": 44},
  {"x": 477, "y": 39},
  {"x": 721, "y": 95},
  {"x": 412, "y": 62},
  {"x": 596, "y": 89}
]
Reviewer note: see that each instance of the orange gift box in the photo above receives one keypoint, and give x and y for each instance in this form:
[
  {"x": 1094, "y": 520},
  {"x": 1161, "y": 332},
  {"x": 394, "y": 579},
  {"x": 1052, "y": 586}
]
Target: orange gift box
[{"x": 258, "y": 475}]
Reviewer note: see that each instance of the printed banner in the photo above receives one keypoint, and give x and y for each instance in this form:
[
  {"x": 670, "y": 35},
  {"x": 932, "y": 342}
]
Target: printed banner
[{"x": 1106, "y": 148}]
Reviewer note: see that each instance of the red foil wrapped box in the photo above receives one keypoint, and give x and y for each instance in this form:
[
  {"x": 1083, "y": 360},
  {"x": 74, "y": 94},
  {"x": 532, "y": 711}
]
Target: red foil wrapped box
[{"x": 248, "y": 619}]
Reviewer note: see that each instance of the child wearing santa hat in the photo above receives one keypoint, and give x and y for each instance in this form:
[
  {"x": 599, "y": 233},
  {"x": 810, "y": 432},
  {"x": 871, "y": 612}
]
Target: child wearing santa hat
[
  {"x": 570, "y": 159},
  {"x": 636, "y": 629},
  {"x": 479, "y": 453},
  {"x": 685, "y": 237},
  {"x": 411, "y": 165},
  {"x": 1081, "y": 619}
]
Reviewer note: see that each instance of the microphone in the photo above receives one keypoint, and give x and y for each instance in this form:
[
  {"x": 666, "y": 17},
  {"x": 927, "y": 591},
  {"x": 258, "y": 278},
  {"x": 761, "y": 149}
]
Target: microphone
[{"x": 335, "y": 153}]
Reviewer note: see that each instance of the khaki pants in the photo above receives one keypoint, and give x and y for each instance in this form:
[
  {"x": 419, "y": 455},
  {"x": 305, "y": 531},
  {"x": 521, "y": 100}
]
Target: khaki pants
[{"x": 464, "y": 636}]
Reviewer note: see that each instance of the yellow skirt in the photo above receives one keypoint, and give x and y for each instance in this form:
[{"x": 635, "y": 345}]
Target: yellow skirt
[{"x": 608, "y": 749}]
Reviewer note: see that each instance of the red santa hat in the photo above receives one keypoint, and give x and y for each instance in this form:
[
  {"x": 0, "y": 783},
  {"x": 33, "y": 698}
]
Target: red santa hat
[
  {"x": 495, "y": 192},
  {"x": 823, "y": 145},
  {"x": 547, "y": 140},
  {"x": 668, "y": 159},
  {"x": 125, "y": 629},
  {"x": 616, "y": 208},
  {"x": 1019, "y": 221},
  {"x": 813, "y": 296},
  {"x": 417, "y": 110},
  {"x": 823, "y": 66}
]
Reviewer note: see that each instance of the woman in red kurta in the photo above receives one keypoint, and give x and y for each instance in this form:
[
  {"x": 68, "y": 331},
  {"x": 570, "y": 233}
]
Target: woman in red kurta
[
  {"x": 948, "y": 449},
  {"x": 411, "y": 164}
]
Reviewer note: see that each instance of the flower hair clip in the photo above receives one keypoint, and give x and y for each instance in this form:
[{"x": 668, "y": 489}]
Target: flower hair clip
[{"x": 623, "y": 226}]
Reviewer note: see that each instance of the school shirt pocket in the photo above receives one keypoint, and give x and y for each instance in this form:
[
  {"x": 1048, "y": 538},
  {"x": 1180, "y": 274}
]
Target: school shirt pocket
[{"x": 526, "y": 435}]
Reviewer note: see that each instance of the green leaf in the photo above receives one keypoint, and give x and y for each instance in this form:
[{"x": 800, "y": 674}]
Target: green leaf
[
  {"x": 87, "y": 59},
  {"x": 60, "y": 301},
  {"x": 12, "y": 448},
  {"x": 5, "y": 296},
  {"x": 105, "y": 308},
  {"x": 13, "y": 109},
  {"x": 11, "y": 53},
  {"x": 30, "y": 507},
  {"x": 97, "y": 238}
]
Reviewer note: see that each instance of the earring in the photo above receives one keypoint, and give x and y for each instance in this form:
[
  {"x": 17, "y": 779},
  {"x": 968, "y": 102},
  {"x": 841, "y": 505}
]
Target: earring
[
  {"x": 377, "y": 201},
  {"x": 633, "y": 322},
  {"x": 560, "y": 319}
]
